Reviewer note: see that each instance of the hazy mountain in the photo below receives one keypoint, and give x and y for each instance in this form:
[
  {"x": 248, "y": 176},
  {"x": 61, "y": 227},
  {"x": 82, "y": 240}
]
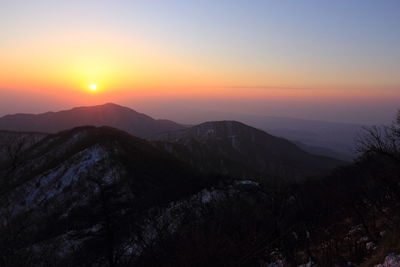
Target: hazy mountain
[
  {"x": 111, "y": 115},
  {"x": 239, "y": 150},
  {"x": 322, "y": 151},
  {"x": 324, "y": 138},
  {"x": 336, "y": 136}
]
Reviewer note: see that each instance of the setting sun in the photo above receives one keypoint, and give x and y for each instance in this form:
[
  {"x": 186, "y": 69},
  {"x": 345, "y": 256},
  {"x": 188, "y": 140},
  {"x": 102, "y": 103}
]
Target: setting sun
[{"x": 93, "y": 87}]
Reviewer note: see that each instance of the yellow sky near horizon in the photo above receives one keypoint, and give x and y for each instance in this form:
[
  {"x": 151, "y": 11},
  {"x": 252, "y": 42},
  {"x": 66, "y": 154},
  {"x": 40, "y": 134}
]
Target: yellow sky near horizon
[
  {"x": 154, "y": 51},
  {"x": 70, "y": 61}
]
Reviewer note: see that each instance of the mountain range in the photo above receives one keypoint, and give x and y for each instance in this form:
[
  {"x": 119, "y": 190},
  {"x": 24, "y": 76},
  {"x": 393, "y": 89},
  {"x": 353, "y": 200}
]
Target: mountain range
[
  {"x": 224, "y": 147},
  {"x": 321, "y": 137},
  {"x": 112, "y": 115},
  {"x": 241, "y": 151},
  {"x": 220, "y": 193},
  {"x": 316, "y": 137}
]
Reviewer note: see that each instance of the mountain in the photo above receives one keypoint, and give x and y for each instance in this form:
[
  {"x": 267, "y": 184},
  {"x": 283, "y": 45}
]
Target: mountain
[
  {"x": 109, "y": 114},
  {"x": 327, "y": 136},
  {"x": 337, "y": 136},
  {"x": 13, "y": 143},
  {"x": 322, "y": 151},
  {"x": 226, "y": 147},
  {"x": 102, "y": 197},
  {"x": 321, "y": 138},
  {"x": 88, "y": 190},
  {"x": 238, "y": 150}
]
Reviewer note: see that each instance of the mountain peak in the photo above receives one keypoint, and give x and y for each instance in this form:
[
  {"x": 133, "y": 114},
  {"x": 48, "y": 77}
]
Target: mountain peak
[
  {"x": 113, "y": 106},
  {"x": 108, "y": 114},
  {"x": 231, "y": 144},
  {"x": 223, "y": 129},
  {"x": 224, "y": 124},
  {"x": 106, "y": 106}
]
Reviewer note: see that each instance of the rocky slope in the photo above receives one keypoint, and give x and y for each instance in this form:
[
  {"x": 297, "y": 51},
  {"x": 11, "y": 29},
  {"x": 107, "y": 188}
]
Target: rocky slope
[
  {"x": 101, "y": 197},
  {"x": 85, "y": 190}
]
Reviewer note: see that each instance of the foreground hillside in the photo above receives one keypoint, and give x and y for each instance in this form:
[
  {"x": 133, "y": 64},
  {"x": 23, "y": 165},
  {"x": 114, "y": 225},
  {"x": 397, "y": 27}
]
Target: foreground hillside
[
  {"x": 85, "y": 189},
  {"x": 101, "y": 197}
]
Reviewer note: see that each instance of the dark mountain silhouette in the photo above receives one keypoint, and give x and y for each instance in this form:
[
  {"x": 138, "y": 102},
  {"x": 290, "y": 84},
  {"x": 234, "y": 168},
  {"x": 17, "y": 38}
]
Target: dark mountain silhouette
[
  {"x": 78, "y": 188},
  {"x": 13, "y": 144},
  {"x": 239, "y": 150},
  {"x": 112, "y": 115},
  {"x": 335, "y": 136},
  {"x": 109, "y": 114}
]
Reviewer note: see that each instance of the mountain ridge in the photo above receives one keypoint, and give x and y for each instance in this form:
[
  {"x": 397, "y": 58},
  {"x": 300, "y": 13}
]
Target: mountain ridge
[
  {"x": 70, "y": 179},
  {"x": 109, "y": 114},
  {"x": 239, "y": 150}
]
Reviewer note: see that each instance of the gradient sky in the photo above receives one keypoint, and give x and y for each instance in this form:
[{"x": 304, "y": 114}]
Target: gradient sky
[{"x": 327, "y": 60}]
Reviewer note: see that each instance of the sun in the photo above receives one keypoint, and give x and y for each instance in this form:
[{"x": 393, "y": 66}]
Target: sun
[{"x": 93, "y": 87}]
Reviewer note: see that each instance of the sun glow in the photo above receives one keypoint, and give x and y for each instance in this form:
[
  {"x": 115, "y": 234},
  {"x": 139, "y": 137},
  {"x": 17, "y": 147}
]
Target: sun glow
[{"x": 93, "y": 87}]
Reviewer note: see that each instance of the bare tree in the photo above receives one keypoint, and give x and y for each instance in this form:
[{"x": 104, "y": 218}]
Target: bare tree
[{"x": 381, "y": 140}]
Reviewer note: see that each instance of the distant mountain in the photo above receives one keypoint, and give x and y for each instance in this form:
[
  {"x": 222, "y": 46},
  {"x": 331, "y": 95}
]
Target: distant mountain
[
  {"x": 325, "y": 138},
  {"x": 322, "y": 151},
  {"x": 144, "y": 126},
  {"x": 241, "y": 151},
  {"x": 109, "y": 114},
  {"x": 336, "y": 136}
]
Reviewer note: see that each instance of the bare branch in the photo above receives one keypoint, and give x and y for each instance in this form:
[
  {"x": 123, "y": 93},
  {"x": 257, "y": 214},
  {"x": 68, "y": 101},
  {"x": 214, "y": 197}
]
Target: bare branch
[{"x": 381, "y": 140}]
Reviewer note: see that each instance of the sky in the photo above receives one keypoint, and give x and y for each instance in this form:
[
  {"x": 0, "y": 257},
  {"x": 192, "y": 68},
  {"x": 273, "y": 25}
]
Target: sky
[{"x": 322, "y": 60}]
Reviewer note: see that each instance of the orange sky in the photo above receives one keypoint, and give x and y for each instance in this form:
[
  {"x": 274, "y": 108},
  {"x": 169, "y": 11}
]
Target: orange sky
[{"x": 196, "y": 51}]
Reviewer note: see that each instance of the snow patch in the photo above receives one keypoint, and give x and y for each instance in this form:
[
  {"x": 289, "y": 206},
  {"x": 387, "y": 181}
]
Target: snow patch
[
  {"x": 235, "y": 143},
  {"x": 308, "y": 264},
  {"x": 391, "y": 260},
  {"x": 277, "y": 263},
  {"x": 246, "y": 182},
  {"x": 53, "y": 183}
]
